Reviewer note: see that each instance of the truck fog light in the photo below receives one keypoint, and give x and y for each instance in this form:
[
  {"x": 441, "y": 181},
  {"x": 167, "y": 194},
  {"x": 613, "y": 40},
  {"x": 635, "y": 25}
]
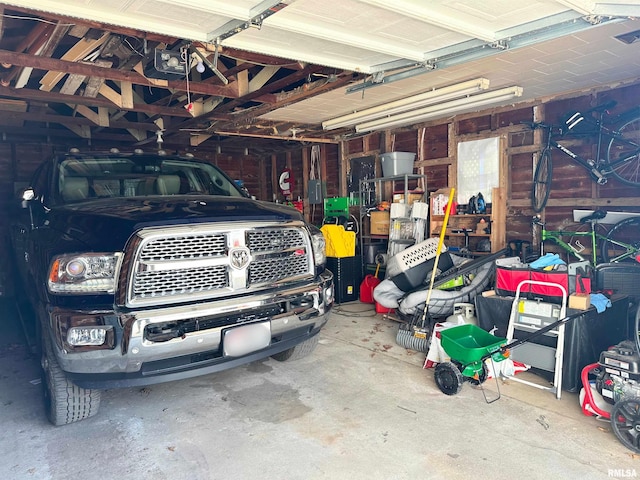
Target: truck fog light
[
  {"x": 82, "y": 336},
  {"x": 328, "y": 295}
]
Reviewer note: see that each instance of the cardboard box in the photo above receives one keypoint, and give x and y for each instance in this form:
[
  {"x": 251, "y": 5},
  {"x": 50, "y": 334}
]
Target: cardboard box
[
  {"x": 439, "y": 200},
  {"x": 380, "y": 223},
  {"x": 413, "y": 197},
  {"x": 580, "y": 301}
]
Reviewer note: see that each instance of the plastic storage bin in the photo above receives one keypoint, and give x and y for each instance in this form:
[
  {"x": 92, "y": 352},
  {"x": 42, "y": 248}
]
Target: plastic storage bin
[{"x": 397, "y": 163}]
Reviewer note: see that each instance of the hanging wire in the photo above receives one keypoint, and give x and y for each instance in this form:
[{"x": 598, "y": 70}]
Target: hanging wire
[
  {"x": 315, "y": 159},
  {"x": 184, "y": 55},
  {"x": 315, "y": 165}
]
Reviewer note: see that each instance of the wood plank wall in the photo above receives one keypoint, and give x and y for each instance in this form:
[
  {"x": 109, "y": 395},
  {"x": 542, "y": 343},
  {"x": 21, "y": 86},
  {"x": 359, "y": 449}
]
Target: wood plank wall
[{"x": 435, "y": 144}]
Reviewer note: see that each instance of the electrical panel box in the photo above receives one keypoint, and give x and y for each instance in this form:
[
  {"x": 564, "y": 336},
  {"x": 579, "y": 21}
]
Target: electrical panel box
[{"x": 316, "y": 192}]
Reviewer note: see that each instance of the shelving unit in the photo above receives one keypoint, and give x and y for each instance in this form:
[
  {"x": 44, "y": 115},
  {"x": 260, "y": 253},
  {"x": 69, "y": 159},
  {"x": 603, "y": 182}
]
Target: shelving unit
[
  {"x": 376, "y": 190},
  {"x": 468, "y": 243}
]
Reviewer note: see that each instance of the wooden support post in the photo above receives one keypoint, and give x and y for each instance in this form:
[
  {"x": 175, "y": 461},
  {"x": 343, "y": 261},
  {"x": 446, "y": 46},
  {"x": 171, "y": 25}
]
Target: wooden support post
[{"x": 305, "y": 182}]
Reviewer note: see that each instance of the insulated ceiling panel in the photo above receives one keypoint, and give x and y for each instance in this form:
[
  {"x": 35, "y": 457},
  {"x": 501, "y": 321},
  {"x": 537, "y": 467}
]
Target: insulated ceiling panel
[
  {"x": 367, "y": 51},
  {"x": 565, "y": 64}
]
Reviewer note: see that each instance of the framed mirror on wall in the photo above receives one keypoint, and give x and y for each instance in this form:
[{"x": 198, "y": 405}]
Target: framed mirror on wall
[{"x": 478, "y": 169}]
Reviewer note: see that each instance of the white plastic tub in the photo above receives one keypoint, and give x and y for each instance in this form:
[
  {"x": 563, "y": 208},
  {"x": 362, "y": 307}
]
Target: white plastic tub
[{"x": 397, "y": 163}]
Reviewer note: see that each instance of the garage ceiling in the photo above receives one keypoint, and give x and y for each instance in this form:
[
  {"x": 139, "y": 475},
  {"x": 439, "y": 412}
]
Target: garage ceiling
[{"x": 273, "y": 71}]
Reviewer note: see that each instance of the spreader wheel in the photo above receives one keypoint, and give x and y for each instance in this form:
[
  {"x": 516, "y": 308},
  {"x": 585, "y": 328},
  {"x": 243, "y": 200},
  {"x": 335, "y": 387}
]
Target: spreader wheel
[
  {"x": 448, "y": 378},
  {"x": 625, "y": 421}
]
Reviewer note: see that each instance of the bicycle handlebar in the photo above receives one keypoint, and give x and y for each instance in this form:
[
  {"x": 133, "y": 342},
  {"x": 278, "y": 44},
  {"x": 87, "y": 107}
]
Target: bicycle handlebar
[
  {"x": 549, "y": 127},
  {"x": 535, "y": 125},
  {"x": 603, "y": 107}
]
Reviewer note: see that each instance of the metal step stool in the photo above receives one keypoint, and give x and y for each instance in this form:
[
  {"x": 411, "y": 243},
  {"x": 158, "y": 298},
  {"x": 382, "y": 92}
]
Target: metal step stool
[{"x": 530, "y": 316}]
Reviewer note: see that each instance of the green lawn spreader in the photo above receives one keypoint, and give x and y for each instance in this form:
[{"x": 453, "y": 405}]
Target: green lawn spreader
[{"x": 468, "y": 346}]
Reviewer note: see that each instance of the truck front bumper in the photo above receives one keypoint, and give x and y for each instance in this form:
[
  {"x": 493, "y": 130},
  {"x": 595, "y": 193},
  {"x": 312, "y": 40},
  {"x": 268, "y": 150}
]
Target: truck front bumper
[{"x": 171, "y": 343}]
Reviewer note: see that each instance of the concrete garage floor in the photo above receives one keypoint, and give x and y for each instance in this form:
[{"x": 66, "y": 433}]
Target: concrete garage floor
[{"x": 360, "y": 407}]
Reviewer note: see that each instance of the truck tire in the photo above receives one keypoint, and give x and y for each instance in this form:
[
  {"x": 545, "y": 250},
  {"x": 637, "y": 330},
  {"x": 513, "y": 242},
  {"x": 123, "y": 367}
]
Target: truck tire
[
  {"x": 64, "y": 401},
  {"x": 299, "y": 351}
]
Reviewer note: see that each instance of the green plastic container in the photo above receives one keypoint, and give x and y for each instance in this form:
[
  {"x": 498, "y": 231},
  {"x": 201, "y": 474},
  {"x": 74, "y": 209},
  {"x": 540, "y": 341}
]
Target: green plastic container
[
  {"x": 336, "y": 207},
  {"x": 468, "y": 344}
]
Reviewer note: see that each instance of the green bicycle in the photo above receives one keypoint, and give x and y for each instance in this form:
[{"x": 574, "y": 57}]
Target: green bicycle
[{"x": 596, "y": 244}]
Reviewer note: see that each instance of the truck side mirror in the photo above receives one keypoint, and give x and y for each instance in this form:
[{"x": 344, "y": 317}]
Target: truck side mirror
[{"x": 27, "y": 195}]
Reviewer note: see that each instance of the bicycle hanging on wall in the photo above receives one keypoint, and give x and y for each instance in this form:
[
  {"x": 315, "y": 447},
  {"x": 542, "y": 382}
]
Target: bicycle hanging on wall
[
  {"x": 622, "y": 159},
  {"x": 597, "y": 244}
]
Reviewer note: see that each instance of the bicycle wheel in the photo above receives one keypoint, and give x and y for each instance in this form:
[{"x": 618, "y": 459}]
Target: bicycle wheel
[
  {"x": 626, "y": 145},
  {"x": 623, "y": 242},
  {"x": 542, "y": 181}
]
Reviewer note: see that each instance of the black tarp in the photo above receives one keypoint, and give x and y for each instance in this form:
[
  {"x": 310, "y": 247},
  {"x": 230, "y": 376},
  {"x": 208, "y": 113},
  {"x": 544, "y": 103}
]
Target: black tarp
[{"x": 585, "y": 336}]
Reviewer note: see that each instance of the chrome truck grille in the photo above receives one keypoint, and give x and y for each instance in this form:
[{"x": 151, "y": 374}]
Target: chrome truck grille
[{"x": 189, "y": 263}]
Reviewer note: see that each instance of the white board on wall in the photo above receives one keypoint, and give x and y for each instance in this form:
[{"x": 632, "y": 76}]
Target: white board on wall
[{"x": 478, "y": 168}]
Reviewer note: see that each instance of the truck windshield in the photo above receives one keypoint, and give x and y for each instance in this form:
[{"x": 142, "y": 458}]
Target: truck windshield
[{"x": 90, "y": 177}]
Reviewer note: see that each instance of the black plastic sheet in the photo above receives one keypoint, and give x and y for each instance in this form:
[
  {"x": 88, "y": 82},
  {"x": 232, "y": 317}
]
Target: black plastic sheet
[{"x": 585, "y": 336}]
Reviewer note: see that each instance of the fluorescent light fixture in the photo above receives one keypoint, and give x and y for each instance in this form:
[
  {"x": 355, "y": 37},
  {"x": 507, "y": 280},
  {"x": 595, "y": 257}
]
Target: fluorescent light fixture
[
  {"x": 409, "y": 103},
  {"x": 441, "y": 109}
]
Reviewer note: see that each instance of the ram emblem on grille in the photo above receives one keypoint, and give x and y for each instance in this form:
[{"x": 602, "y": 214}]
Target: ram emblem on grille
[{"x": 240, "y": 257}]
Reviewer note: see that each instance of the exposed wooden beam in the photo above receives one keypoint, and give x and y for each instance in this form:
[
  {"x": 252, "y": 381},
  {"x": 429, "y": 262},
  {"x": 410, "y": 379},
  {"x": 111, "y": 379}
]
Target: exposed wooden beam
[
  {"x": 72, "y": 84},
  {"x": 137, "y": 134},
  {"x": 46, "y": 51},
  {"x": 243, "y": 83},
  {"x": 94, "y": 83},
  {"x": 277, "y": 137},
  {"x": 230, "y": 124},
  {"x": 260, "y": 59},
  {"x": 107, "y": 92},
  {"x": 33, "y": 42},
  {"x": 264, "y": 75},
  {"x": 80, "y": 50},
  {"x": 126, "y": 92},
  {"x": 12, "y": 114},
  {"x": 99, "y": 118},
  {"x": 51, "y": 97},
  {"x": 272, "y": 87},
  {"x": 83, "y": 131},
  {"x": 580, "y": 203},
  {"x": 195, "y": 140},
  {"x": 61, "y": 134},
  {"x": 244, "y": 117},
  {"x": 90, "y": 70}
]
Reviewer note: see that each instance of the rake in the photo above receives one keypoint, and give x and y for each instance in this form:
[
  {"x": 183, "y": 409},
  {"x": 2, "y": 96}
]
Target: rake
[{"x": 415, "y": 334}]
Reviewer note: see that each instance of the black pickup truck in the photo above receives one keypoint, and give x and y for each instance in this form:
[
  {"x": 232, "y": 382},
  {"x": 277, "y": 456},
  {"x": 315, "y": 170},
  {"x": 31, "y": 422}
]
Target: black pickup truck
[{"x": 146, "y": 267}]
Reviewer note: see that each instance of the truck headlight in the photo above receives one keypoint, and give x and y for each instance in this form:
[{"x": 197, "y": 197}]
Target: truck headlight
[
  {"x": 88, "y": 273},
  {"x": 319, "y": 246}
]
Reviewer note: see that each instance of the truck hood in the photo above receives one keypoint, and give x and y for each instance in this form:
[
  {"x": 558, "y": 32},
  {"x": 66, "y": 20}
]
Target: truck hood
[{"x": 106, "y": 224}]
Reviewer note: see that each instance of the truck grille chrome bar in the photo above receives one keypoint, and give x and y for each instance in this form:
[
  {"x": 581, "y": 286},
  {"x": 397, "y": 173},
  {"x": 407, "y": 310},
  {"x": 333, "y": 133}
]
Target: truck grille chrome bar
[{"x": 188, "y": 263}]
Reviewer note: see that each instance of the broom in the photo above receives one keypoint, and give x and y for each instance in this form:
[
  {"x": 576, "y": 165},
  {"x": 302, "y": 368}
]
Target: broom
[{"x": 414, "y": 336}]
